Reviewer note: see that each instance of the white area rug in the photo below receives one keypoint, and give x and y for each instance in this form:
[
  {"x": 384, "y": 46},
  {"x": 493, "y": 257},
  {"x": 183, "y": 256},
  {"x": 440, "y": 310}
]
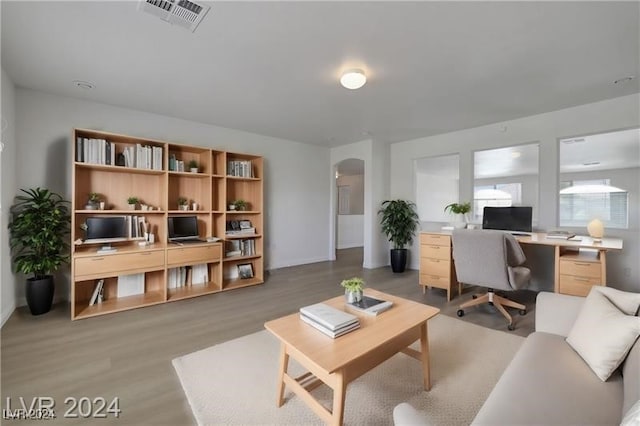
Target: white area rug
[{"x": 234, "y": 383}]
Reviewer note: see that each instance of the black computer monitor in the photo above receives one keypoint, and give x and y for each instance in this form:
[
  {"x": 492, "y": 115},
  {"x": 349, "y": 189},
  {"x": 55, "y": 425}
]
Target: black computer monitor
[
  {"x": 182, "y": 227},
  {"x": 101, "y": 230},
  {"x": 518, "y": 219}
]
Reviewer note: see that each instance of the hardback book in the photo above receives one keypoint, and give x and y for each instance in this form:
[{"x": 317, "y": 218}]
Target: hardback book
[
  {"x": 328, "y": 316},
  {"x": 325, "y": 330},
  {"x": 370, "y": 305},
  {"x": 561, "y": 235}
]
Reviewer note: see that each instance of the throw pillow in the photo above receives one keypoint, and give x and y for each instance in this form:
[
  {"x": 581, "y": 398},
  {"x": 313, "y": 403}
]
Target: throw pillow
[
  {"x": 605, "y": 329},
  {"x": 632, "y": 418}
]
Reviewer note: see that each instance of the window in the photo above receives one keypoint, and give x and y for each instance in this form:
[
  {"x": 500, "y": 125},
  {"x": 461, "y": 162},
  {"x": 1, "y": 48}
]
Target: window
[
  {"x": 584, "y": 200},
  {"x": 498, "y": 195}
]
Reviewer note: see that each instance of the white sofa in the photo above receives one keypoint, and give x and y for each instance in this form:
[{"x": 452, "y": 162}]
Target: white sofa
[{"x": 548, "y": 383}]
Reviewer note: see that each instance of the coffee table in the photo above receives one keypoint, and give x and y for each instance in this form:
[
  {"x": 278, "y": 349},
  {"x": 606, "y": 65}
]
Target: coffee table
[{"x": 337, "y": 362}]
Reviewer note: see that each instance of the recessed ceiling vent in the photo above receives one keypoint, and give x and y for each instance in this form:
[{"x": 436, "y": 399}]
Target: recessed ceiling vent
[{"x": 183, "y": 13}]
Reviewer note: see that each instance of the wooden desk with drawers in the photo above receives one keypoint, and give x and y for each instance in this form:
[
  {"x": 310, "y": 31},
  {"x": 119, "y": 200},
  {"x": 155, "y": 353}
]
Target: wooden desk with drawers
[{"x": 579, "y": 265}]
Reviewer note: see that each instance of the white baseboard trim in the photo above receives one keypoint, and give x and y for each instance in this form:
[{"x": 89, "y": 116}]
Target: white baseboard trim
[
  {"x": 6, "y": 314},
  {"x": 297, "y": 262}
]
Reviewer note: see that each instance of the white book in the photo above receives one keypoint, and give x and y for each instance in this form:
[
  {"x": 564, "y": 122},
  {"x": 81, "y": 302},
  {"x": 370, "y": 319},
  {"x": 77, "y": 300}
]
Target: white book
[
  {"x": 332, "y": 334},
  {"x": 129, "y": 285},
  {"x": 96, "y": 292},
  {"x": 328, "y": 316}
]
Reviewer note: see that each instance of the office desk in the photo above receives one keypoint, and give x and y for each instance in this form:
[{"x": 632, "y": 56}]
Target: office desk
[{"x": 578, "y": 265}]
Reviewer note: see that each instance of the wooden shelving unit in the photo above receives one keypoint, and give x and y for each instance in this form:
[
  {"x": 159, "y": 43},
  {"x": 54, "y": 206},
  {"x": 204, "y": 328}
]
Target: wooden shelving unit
[{"x": 212, "y": 188}]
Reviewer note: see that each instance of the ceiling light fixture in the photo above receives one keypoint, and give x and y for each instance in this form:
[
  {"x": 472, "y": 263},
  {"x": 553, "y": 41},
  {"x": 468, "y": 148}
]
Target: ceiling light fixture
[
  {"x": 84, "y": 84},
  {"x": 353, "y": 79}
]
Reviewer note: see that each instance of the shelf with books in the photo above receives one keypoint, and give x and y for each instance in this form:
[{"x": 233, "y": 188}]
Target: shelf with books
[
  {"x": 152, "y": 292},
  {"x": 117, "y": 167}
]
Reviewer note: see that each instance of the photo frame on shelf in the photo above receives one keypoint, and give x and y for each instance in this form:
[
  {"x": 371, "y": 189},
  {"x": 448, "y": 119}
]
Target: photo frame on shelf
[
  {"x": 245, "y": 224},
  {"x": 245, "y": 271}
]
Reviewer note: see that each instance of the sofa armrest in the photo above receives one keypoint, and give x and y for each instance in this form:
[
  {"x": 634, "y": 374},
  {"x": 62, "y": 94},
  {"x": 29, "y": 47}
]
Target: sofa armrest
[{"x": 556, "y": 313}]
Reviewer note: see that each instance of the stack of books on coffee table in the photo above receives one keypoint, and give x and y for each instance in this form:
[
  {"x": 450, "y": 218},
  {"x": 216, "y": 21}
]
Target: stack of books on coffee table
[{"x": 329, "y": 320}]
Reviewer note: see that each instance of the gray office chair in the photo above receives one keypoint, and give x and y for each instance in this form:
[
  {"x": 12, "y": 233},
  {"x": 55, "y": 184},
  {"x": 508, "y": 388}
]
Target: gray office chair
[{"x": 490, "y": 259}]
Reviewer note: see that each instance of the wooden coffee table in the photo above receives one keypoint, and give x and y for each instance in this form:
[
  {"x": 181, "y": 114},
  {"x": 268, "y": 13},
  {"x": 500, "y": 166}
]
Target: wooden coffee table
[{"x": 337, "y": 362}]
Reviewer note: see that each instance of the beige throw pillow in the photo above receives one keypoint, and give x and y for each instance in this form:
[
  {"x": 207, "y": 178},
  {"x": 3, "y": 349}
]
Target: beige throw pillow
[{"x": 605, "y": 329}]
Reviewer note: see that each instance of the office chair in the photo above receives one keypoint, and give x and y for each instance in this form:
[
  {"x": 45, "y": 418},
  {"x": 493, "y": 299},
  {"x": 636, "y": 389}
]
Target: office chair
[{"x": 490, "y": 259}]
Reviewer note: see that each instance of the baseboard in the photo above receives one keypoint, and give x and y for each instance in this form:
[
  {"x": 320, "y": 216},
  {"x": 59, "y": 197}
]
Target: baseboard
[
  {"x": 297, "y": 262},
  {"x": 7, "y": 314}
]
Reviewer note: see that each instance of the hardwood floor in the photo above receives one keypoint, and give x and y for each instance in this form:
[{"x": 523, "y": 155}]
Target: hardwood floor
[{"x": 128, "y": 355}]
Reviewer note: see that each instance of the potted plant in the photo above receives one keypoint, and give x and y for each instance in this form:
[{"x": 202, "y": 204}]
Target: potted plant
[
  {"x": 240, "y": 205},
  {"x": 183, "y": 203},
  {"x": 39, "y": 223},
  {"x": 399, "y": 221},
  {"x": 193, "y": 166},
  {"x": 93, "y": 201},
  {"x": 132, "y": 202},
  {"x": 460, "y": 210},
  {"x": 353, "y": 289}
]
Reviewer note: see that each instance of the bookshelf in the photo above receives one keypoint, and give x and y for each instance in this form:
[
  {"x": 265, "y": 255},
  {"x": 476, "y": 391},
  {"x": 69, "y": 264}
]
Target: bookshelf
[{"x": 158, "y": 174}]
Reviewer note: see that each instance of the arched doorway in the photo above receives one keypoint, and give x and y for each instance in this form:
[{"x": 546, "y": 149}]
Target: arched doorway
[{"x": 349, "y": 212}]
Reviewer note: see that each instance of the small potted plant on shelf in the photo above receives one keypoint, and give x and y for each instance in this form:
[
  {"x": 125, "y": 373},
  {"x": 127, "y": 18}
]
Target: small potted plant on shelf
[
  {"x": 353, "y": 289},
  {"x": 193, "y": 166},
  {"x": 183, "y": 203},
  {"x": 38, "y": 226},
  {"x": 460, "y": 211},
  {"x": 132, "y": 202},
  {"x": 93, "y": 201},
  {"x": 241, "y": 205}
]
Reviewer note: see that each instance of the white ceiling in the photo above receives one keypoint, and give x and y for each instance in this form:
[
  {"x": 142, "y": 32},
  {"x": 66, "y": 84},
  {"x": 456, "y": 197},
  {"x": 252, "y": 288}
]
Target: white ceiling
[{"x": 272, "y": 68}]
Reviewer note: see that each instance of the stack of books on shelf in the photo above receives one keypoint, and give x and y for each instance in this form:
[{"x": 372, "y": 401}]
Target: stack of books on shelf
[
  {"x": 143, "y": 157},
  {"x": 95, "y": 151},
  {"x": 175, "y": 165},
  {"x": 239, "y": 168},
  {"x": 239, "y": 227},
  {"x": 188, "y": 275},
  {"x": 98, "y": 293},
  {"x": 136, "y": 227},
  {"x": 240, "y": 248},
  {"x": 329, "y": 320}
]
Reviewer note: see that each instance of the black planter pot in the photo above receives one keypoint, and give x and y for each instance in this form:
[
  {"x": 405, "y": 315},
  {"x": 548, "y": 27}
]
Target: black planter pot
[
  {"x": 40, "y": 294},
  {"x": 398, "y": 260}
]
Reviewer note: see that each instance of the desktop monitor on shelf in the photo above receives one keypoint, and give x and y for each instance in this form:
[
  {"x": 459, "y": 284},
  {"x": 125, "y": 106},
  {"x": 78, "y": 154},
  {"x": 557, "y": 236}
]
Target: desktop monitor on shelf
[
  {"x": 515, "y": 219},
  {"x": 183, "y": 228},
  {"x": 105, "y": 230}
]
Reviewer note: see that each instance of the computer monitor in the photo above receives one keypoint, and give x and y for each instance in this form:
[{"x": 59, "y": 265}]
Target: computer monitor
[
  {"x": 182, "y": 227},
  {"x": 518, "y": 219},
  {"x": 105, "y": 230}
]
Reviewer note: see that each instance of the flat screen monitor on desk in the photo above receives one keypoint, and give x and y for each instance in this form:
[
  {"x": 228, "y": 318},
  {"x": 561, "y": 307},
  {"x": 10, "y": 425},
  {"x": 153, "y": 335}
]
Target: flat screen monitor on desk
[{"x": 515, "y": 219}]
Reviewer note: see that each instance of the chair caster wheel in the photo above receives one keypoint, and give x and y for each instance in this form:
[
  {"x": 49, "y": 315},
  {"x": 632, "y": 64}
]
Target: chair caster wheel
[
  {"x": 522, "y": 312},
  {"x": 460, "y": 313},
  {"x": 511, "y": 327},
  {"x": 490, "y": 303},
  {"x": 475, "y": 296}
]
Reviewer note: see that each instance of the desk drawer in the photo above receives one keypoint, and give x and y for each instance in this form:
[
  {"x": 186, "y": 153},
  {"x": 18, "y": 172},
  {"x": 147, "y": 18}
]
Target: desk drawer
[
  {"x": 435, "y": 281},
  {"x": 577, "y": 286},
  {"x": 436, "y": 240},
  {"x": 193, "y": 255},
  {"x": 437, "y": 267},
  {"x": 115, "y": 263},
  {"x": 580, "y": 268},
  {"x": 435, "y": 252}
]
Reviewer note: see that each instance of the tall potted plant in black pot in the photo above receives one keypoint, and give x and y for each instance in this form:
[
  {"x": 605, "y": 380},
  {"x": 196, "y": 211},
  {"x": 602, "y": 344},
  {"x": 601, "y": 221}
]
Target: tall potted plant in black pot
[
  {"x": 38, "y": 229},
  {"x": 399, "y": 221}
]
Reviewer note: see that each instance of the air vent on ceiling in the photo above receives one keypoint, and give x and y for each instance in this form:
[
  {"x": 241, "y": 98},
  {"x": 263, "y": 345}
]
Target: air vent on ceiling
[{"x": 183, "y": 13}]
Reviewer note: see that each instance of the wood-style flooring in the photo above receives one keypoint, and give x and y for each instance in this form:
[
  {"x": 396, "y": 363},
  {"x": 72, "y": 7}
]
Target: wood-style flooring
[{"x": 128, "y": 355}]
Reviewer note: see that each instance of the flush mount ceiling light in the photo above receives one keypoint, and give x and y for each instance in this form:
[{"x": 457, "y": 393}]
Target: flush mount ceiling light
[
  {"x": 83, "y": 84},
  {"x": 353, "y": 79}
]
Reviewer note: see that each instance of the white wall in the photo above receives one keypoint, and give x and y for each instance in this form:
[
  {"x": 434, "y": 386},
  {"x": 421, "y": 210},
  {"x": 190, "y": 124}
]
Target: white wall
[
  {"x": 294, "y": 172},
  {"x": 609, "y": 115},
  {"x": 350, "y": 230},
  {"x": 7, "y": 192}
]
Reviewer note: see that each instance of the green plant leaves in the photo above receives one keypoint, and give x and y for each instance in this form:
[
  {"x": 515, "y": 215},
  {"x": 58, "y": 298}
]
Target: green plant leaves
[
  {"x": 39, "y": 224},
  {"x": 399, "y": 221}
]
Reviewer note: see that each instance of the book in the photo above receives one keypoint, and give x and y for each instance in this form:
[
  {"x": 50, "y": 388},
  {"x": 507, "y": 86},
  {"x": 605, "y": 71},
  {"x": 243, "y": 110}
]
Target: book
[
  {"x": 328, "y": 316},
  {"x": 96, "y": 292},
  {"x": 561, "y": 235},
  {"x": 330, "y": 333},
  {"x": 370, "y": 305}
]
